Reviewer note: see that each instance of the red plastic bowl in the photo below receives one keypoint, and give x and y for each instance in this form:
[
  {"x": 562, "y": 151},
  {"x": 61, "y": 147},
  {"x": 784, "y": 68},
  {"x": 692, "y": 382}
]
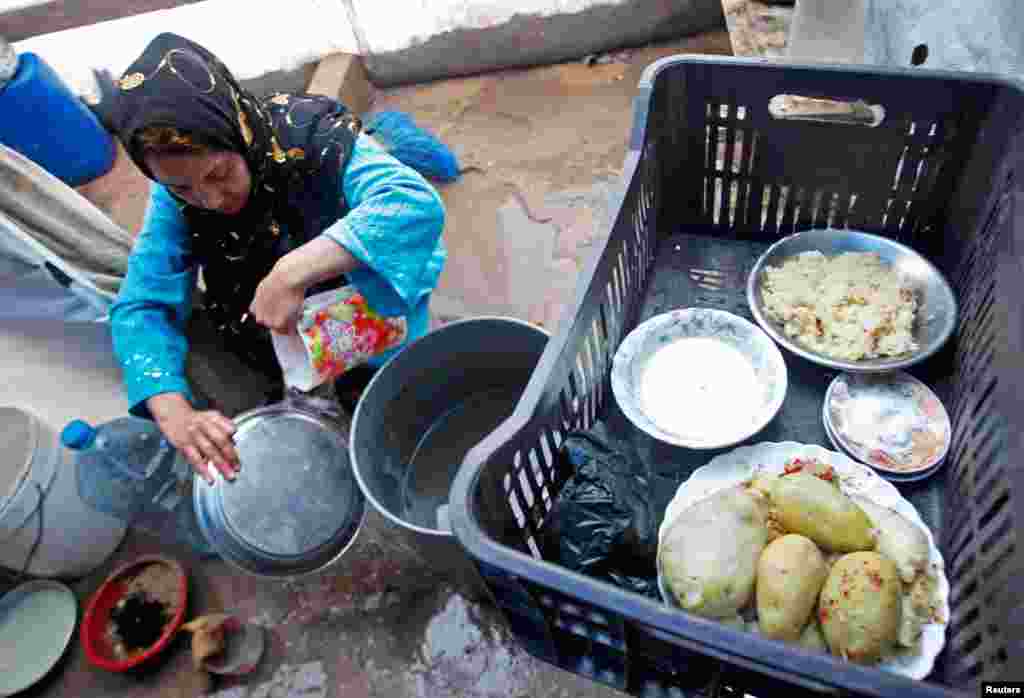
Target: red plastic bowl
[{"x": 97, "y": 616}]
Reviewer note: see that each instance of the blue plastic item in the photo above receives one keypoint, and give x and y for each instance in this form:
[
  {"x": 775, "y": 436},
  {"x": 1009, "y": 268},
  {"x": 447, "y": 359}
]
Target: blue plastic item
[
  {"x": 78, "y": 435},
  {"x": 413, "y": 145},
  {"x": 127, "y": 469},
  {"x": 44, "y": 121}
]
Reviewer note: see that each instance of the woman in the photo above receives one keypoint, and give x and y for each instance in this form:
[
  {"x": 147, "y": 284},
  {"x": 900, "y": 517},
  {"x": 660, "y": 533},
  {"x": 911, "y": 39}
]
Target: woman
[{"x": 273, "y": 201}]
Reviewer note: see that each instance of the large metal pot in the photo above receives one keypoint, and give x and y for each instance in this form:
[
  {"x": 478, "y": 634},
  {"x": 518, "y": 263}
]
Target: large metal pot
[
  {"x": 295, "y": 508},
  {"x": 423, "y": 411}
]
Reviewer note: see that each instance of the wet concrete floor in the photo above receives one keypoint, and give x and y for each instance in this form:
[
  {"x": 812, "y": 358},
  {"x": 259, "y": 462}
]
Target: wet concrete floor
[{"x": 380, "y": 623}]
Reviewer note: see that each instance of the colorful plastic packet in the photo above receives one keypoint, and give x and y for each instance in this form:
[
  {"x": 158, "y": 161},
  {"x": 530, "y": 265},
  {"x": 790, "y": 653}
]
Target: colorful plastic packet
[{"x": 337, "y": 332}]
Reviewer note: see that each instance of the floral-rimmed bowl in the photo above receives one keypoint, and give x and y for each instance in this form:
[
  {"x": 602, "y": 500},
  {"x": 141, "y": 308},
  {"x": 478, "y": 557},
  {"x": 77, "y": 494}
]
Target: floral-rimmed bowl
[
  {"x": 713, "y": 404},
  {"x": 892, "y": 422}
]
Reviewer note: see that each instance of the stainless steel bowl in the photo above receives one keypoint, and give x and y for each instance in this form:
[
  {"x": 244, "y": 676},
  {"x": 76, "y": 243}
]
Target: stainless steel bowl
[
  {"x": 936, "y": 313},
  {"x": 295, "y": 508}
]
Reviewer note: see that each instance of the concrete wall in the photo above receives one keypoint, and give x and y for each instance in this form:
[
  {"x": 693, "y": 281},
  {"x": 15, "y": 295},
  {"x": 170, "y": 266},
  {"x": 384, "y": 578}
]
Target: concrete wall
[
  {"x": 982, "y": 35},
  {"x": 248, "y": 35},
  {"x": 455, "y": 37},
  {"x": 401, "y": 40},
  {"x": 827, "y": 31}
]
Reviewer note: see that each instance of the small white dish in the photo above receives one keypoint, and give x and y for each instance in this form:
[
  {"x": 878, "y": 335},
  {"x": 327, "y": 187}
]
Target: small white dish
[
  {"x": 893, "y": 423},
  {"x": 37, "y": 621},
  {"x": 896, "y": 479},
  {"x": 699, "y": 378}
]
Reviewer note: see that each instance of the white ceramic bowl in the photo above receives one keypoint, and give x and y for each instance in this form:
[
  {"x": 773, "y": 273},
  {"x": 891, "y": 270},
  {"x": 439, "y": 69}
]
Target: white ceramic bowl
[{"x": 706, "y": 402}]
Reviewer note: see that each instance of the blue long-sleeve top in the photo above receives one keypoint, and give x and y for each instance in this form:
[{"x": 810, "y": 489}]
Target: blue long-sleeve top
[{"x": 393, "y": 228}]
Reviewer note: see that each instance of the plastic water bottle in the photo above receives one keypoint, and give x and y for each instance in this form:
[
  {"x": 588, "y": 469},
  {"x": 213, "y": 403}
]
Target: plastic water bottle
[{"x": 126, "y": 468}]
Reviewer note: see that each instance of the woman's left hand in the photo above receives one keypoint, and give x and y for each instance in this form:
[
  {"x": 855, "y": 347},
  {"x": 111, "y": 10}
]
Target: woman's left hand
[{"x": 278, "y": 302}]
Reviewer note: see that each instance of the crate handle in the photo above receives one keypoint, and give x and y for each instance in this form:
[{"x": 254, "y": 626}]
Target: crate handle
[{"x": 829, "y": 111}]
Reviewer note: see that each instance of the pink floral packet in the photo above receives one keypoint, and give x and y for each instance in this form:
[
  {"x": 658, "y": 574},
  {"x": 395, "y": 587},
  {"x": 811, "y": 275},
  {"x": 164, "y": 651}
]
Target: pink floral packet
[{"x": 337, "y": 332}]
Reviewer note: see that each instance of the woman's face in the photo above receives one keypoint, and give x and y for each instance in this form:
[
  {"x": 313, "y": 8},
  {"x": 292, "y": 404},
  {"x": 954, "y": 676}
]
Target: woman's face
[{"x": 219, "y": 181}]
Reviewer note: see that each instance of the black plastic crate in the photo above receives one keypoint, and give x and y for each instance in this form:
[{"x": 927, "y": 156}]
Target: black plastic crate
[{"x": 712, "y": 178}]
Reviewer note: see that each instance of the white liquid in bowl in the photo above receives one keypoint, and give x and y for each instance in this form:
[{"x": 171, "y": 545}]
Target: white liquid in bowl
[{"x": 701, "y": 388}]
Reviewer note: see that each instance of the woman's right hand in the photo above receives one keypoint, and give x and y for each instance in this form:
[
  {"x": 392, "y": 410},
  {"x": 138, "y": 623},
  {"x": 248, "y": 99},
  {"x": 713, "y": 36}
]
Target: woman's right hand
[{"x": 202, "y": 436}]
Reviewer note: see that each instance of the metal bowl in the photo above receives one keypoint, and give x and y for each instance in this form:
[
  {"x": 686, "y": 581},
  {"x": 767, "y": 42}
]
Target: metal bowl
[
  {"x": 937, "y": 306},
  {"x": 295, "y": 508},
  {"x": 726, "y": 412}
]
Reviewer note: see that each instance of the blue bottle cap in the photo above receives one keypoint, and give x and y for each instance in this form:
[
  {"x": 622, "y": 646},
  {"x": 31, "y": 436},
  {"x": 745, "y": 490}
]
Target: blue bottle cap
[{"x": 78, "y": 435}]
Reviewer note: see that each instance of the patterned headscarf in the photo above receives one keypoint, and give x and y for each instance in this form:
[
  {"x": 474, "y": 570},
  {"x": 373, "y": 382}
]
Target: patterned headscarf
[{"x": 296, "y": 147}]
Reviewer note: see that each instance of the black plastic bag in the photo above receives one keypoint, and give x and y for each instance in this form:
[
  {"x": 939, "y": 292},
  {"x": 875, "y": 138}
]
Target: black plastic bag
[{"x": 605, "y": 521}]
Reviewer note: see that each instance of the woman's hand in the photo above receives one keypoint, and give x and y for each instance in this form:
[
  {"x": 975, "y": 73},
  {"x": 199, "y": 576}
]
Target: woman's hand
[
  {"x": 203, "y": 437},
  {"x": 279, "y": 297},
  {"x": 278, "y": 301}
]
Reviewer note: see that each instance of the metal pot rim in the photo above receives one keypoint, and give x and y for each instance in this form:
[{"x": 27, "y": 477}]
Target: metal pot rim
[
  {"x": 243, "y": 555},
  {"x": 364, "y": 486}
]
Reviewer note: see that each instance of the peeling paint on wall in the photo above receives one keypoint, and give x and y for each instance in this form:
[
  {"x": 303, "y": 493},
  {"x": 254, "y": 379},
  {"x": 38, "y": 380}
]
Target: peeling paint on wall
[{"x": 387, "y": 30}]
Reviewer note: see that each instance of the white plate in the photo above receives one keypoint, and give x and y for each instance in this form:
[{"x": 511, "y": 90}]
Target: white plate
[
  {"x": 713, "y": 393},
  {"x": 898, "y": 479},
  {"x": 37, "y": 621},
  {"x": 740, "y": 465},
  {"x": 875, "y": 418}
]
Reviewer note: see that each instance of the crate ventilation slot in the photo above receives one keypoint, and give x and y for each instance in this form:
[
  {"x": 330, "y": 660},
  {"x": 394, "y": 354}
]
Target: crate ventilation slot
[{"x": 737, "y": 196}]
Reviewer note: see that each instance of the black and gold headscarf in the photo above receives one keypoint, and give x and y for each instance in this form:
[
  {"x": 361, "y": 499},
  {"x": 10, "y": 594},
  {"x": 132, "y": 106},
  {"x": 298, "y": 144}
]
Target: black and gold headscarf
[{"x": 296, "y": 147}]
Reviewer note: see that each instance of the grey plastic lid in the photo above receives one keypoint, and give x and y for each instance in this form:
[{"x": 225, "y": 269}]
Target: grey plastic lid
[{"x": 295, "y": 506}]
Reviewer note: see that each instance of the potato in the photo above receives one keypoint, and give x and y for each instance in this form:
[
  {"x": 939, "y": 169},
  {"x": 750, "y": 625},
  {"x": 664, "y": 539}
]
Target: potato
[
  {"x": 811, "y": 638},
  {"x": 735, "y": 622},
  {"x": 790, "y": 575},
  {"x": 775, "y": 530},
  {"x": 832, "y": 558},
  {"x": 807, "y": 505},
  {"x": 860, "y": 607},
  {"x": 709, "y": 554},
  {"x": 911, "y": 625},
  {"x": 898, "y": 538},
  {"x": 762, "y": 484},
  {"x": 822, "y": 471}
]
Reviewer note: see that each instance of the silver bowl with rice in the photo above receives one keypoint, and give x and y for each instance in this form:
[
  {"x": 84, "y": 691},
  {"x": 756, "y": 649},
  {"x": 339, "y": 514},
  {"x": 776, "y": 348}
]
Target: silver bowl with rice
[{"x": 936, "y": 307}]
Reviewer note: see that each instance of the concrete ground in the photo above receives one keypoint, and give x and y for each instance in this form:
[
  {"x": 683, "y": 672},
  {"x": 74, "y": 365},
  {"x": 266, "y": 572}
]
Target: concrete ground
[
  {"x": 382, "y": 623},
  {"x": 544, "y": 148}
]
